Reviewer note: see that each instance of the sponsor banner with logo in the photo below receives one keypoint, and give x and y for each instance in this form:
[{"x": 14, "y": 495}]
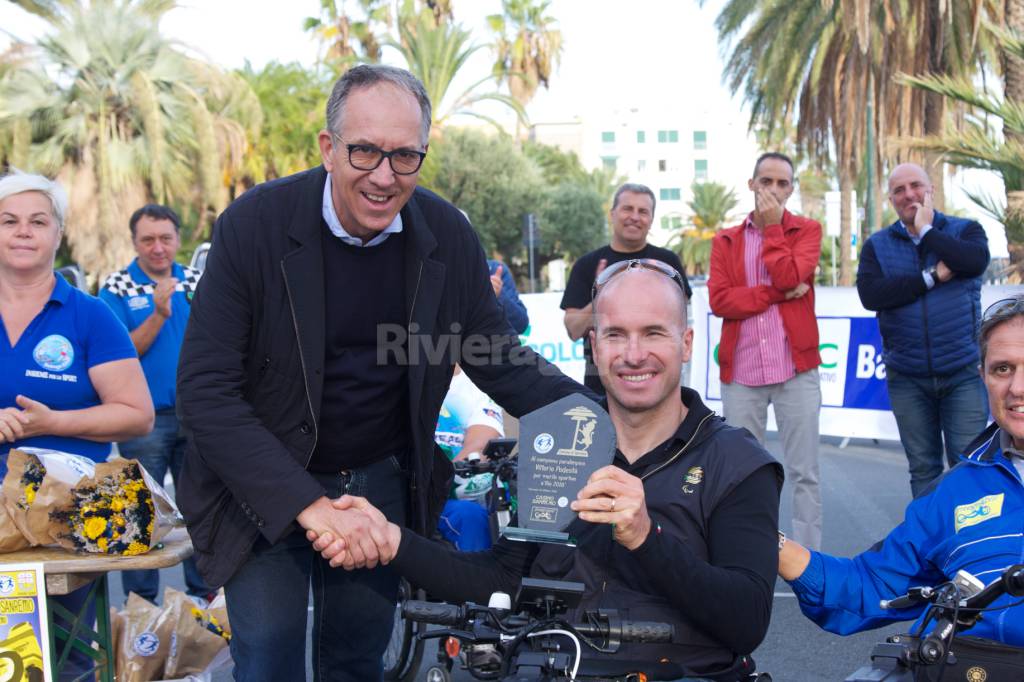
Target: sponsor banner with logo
[
  {"x": 854, "y": 399},
  {"x": 547, "y": 336},
  {"x": 24, "y": 630},
  {"x": 853, "y": 394}
]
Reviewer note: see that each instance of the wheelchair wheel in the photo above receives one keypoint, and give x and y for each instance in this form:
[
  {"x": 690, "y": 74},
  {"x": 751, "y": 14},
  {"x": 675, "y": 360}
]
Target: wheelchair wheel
[
  {"x": 438, "y": 674},
  {"x": 404, "y": 652}
]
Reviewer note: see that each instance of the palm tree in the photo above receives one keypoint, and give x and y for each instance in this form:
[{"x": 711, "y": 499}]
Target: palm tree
[
  {"x": 435, "y": 53},
  {"x": 293, "y": 100},
  {"x": 121, "y": 117},
  {"x": 348, "y": 42},
  {"x": 711, "y": 208},
  {"x": 528, "y": 48},
  {"x": 978, "y": 145},
  {"x": 819, "y": 63}
]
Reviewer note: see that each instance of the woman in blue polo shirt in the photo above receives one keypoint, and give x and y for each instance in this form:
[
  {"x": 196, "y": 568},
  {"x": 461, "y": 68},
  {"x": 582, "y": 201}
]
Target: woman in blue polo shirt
[{"x": 71, "y": 380}]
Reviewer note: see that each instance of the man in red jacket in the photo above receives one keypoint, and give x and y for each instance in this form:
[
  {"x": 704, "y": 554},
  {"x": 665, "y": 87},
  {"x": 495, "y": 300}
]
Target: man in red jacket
[{"x": 762, "y": 286}]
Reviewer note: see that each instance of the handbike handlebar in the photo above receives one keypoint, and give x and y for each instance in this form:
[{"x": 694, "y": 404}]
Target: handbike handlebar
[{"x": 623, "y": 631}]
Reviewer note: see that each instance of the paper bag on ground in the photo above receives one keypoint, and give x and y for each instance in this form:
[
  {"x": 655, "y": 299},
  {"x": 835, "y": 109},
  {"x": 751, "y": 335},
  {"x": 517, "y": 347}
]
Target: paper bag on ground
[
  {"x": 197, "y": 636},
  {"x": 145, "y": 641}
]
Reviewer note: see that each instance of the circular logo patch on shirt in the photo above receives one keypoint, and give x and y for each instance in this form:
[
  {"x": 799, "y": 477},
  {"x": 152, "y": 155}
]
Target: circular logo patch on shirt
[{"x": 54, "y": 353}]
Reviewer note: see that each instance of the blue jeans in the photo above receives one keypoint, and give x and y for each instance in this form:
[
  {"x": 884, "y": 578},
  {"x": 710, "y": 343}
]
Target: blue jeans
[
  {"x": 928, "y": 410},
  {"x": 353, "y": 611},
  {"x": 161, "y": 450}
]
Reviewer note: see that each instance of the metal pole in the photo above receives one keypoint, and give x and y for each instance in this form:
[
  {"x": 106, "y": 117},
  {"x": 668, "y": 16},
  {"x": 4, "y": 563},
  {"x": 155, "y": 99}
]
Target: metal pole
[
  {"x": 531, "y": 227},
  {"x": 833, "y": 249}
]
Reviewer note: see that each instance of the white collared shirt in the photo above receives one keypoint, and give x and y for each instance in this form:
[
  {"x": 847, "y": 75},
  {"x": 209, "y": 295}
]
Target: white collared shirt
[
  {"x": 1014, "y": 455},
  {"x": 334, "y": 224}
]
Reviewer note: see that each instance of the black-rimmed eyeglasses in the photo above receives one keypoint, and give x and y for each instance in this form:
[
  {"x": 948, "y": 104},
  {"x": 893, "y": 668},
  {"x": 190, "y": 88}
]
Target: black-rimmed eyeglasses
[
  {"x": 645, "y": 263},
  {"x": 367, "y": 157}
]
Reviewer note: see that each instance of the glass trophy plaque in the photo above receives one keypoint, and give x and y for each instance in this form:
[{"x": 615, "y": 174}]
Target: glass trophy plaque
[{"x": 560, "y": 446}]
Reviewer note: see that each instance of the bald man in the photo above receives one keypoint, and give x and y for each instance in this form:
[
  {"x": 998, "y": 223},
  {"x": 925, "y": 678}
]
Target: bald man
[{"x": 922, "y": 275}]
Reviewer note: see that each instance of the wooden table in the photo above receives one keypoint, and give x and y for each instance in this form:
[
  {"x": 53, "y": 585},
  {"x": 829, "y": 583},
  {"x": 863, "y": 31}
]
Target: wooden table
[{"x": 67, "y": 571}]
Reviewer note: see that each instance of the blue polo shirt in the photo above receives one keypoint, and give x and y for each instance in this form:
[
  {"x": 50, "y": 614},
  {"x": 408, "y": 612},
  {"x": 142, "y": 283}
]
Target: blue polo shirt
[
  {"x": 51, "y": 360},
  {"x": 129, "y": 293}
]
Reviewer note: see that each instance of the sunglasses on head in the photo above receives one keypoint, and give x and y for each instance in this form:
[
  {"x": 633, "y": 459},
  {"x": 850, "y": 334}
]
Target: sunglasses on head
[
  {"x": 1005, "y": 306},
  {"x": 645, "y": 263}
]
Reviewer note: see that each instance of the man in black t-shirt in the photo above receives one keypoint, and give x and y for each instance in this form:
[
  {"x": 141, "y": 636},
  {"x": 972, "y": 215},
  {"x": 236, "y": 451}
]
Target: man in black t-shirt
[{"x": 631, "y": 217}]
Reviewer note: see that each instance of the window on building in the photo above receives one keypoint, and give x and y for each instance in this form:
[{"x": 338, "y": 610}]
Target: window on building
[
  {"x": 641, "y": 137},
  {"x": 700, "y": 169},
  {"x": 608, "y": 136},
  {"x": 641, "y": 165},
  {"x": 677, "y": 222},
  {"x": 609, "y": 162},
  {"x": 670, "y": 194},
  {"x": 662, "y": 165},
  {"x": 668, "y": 136},
  {"x": 700, "y": 139}
]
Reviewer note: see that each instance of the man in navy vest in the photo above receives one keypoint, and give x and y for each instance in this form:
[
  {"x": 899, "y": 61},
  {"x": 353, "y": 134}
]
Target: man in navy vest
[{"x": 922, "y": 274}]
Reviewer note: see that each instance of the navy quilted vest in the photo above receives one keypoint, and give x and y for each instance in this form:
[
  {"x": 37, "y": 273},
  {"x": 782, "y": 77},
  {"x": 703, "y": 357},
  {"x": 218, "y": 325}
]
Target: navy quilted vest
[{"x": 937, "y": 333}]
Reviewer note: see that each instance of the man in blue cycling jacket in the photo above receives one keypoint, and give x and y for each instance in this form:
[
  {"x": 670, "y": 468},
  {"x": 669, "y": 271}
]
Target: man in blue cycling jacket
[{"x": 969, "y": 519}]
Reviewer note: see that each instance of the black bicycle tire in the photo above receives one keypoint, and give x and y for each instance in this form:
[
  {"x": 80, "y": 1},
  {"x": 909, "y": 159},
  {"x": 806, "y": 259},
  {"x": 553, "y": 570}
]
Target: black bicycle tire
[{"x": 403, "y": 668}]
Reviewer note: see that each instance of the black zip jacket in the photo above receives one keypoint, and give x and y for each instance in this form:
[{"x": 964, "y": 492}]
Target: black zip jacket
[
  {"x": 250, "y": 377},
  {"x": 714, "y": 493}
]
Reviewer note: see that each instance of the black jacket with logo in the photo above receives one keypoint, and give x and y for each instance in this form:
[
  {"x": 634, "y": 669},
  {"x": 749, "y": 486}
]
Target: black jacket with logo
[
  {"x": 250, "y": 378},
  {"x": 714, "y": 493}
]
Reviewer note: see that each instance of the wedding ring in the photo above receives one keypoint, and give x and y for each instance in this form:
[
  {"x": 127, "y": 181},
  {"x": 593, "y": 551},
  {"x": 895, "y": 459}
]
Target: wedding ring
[{"x": 613, "y": 504}]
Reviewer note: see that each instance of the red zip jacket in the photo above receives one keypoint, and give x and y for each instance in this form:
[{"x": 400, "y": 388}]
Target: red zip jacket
[{"x": 790, "y": 252}]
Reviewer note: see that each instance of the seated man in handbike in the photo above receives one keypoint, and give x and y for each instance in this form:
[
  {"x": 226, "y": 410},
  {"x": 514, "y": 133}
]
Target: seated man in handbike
[
  {"x": 681, "y": 528},
  {"x": 970, "y": 519}
]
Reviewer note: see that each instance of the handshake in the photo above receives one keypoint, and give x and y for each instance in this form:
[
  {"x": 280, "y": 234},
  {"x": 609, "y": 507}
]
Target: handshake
[{"x": 350, "y": 532}]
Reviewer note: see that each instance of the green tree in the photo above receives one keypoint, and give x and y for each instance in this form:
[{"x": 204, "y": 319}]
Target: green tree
[
  {"x": 978, "y": 145},
  {"x": 825, "y": 64},
  {"x": 710, "y": 210},
  {"x": 121, "y": 116},
  {"x": 293, "y": 99},
  {"x": 347, "y": 41},
  {"x": 436, "y": 53},
  {"x": 528, "y": 46}
]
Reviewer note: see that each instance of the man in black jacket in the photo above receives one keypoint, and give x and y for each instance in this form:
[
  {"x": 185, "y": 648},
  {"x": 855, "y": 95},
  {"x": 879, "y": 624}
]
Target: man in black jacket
[
  {"x": 333, "y": 308},
  {"x": 681, "y": 528}
]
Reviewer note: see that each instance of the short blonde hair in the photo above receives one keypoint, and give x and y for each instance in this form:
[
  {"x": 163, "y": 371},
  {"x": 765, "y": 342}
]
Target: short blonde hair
[{"x": 17, "y": 182}]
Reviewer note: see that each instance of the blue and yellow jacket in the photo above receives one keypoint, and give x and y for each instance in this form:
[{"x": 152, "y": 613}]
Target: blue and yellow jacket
[{"x": 971, "y": 519}]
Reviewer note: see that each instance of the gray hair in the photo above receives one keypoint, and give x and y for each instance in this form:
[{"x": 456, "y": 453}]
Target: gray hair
[
  {"x": 18, "y": 182},
  {"x": 1011, "y": 309},
  {"x": 367, "y": 75},
  {"x": 635, "y": 188}
]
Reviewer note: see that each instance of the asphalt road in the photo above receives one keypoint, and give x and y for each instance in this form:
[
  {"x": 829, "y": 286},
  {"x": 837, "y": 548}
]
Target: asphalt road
[{"x": 865, "y": 489}]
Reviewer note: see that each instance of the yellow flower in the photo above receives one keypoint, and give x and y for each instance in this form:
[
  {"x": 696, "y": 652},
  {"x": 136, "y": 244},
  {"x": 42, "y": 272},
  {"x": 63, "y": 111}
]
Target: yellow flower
[
  {"x": 136, "y": 548},
  {"x": 95, "y": 526},
  {"x": 102, "y": 544},
  {"x": 30, "y": 494},
  {"x": 117, "y": 504}
]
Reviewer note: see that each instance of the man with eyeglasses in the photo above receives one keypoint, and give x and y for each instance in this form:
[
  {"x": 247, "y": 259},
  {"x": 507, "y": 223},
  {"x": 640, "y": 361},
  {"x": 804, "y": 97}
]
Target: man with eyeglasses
[
  {"x": 968, "y": 519},
  {"x": 762, "y": 286},
  {"x": 630, "y": 217},
  {"x": 680, "y": 528},
  {"x": 323, "y": 335},
  {"x": 922, "y": 275}
]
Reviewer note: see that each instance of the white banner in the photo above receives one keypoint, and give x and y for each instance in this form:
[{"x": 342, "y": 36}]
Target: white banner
[{"x": 854, "y": 399}]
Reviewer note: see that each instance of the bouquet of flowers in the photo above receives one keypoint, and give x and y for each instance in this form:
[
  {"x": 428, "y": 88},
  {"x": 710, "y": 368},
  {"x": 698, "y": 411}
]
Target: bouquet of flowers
[{"x": 108, "y": 508}]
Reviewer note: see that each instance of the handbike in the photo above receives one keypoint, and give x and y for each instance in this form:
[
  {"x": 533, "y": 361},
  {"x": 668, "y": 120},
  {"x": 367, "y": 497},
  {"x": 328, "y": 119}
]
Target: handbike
[
  {"x": 405, "y": 650},
  {"x": 955, "y": 606},
  {"x": 527, "y": 643}
]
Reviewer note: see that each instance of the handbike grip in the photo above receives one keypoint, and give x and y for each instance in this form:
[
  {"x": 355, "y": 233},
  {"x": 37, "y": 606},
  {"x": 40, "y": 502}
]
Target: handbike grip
[
  {"x": 645, "y": 631},
  {"x": 433, "y": 612}
]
